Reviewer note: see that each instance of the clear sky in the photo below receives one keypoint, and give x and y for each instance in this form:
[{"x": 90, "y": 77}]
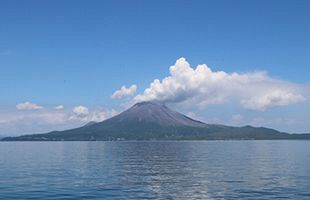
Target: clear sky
[{"x": 76, "y": 54}]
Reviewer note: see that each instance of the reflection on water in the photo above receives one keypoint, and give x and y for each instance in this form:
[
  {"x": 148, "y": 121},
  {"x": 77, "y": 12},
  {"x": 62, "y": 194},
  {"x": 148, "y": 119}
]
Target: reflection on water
[{"x": 155, "y": 170}]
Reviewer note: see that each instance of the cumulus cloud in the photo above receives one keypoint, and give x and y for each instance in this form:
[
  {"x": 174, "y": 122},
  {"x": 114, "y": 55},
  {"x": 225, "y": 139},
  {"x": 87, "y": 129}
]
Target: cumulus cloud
[
  {"x": 28, "y": 106},
  {"x": 202, "y": 86},
  {"x": 80, "y": 110},
  {"x": 59, "y": 107},
  {"x": 124, "y": 92}
]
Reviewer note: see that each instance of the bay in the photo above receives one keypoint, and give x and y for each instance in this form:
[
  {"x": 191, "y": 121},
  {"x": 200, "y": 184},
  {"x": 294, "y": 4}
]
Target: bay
[{"x": 155, "y": 170}]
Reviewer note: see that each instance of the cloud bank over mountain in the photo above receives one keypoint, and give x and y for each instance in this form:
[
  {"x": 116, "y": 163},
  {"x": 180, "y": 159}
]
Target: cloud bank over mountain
[
  {"x": 31, "y": 118},
  {"x": 239, "y": 99},
  {"x": 201, "y": 86}
]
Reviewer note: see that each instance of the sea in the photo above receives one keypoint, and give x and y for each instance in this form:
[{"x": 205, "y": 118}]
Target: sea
[{"x": 155, "y": 170}]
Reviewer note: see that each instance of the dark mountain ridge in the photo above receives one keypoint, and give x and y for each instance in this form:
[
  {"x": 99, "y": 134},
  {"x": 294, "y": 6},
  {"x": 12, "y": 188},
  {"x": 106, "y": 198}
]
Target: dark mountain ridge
[{"x": 155, "y": 121}]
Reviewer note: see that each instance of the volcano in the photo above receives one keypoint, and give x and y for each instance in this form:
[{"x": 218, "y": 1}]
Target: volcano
[
  {"x": 155, "y": 121},
  {"x": 154, "y": 113}
]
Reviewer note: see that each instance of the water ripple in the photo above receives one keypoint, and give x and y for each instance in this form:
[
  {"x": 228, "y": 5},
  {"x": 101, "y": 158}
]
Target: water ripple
[{"x": 155, "y": 170}]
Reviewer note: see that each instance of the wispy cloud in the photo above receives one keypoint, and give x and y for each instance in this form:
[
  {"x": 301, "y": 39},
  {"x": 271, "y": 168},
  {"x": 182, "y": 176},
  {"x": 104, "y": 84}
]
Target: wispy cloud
[
  {"x": 81, "y": 113},
  {"x": 59, "y": 107},
  {"x": 28, "y": 106},
  {"x": 48, "y": 119}
]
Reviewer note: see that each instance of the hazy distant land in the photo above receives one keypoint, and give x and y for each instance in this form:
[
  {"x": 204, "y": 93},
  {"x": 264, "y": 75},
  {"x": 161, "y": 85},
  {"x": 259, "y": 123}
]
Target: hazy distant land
[{"x": 155, "y": 121}]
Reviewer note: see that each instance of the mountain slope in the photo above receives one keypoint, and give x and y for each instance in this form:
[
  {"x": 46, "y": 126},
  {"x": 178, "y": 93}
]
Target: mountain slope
[
  {"x": 155, "y": 121},
  {"x": 154, "y": 112}
]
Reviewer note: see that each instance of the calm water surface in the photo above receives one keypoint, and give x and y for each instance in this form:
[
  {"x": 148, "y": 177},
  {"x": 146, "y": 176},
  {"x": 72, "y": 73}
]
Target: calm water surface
[{"x": 155, "y": 170}]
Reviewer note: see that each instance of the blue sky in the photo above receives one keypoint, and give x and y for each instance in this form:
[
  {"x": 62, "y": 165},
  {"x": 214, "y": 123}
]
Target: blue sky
[{"x": 75, "y": 53}]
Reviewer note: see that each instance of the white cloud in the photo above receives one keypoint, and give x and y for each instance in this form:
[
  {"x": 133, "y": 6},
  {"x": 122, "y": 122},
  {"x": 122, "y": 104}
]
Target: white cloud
[
  {"x": 124, "y": 92},
  {"x": 41, "y": 121},
  {"x": 45, "y": 120},
  {"x": 80, "y": 114},
  {"x": 80, "y": 110},
  {"x": 97, "y": 115},
  {"x": 274, "y": 98},
  {"x": 59, "y": 107},
  {"x": 28, "y": 106},
  {"x": 101, "y": 115},
  {"x": 40, "y": 117},
  {"x": 202, "y": 86}
]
